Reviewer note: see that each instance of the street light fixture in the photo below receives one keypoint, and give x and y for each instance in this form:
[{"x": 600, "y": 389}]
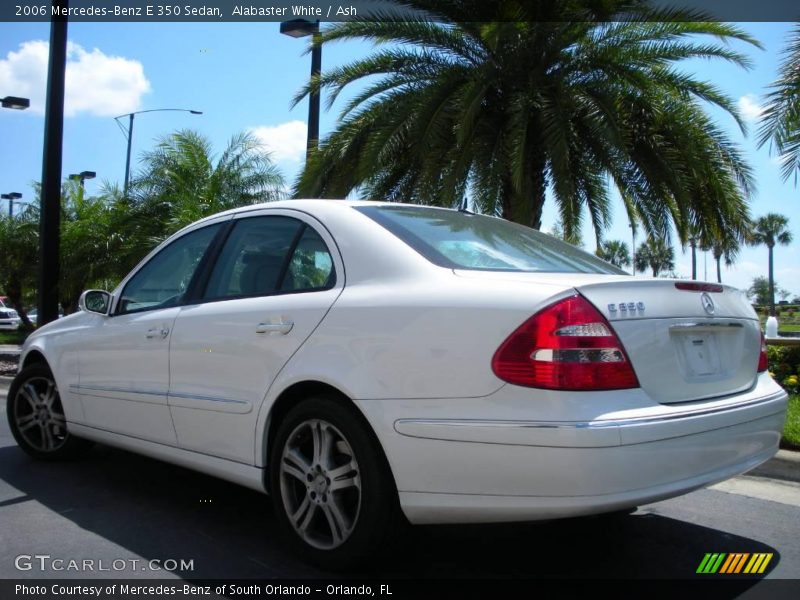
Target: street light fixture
[
  {"x": 128, "y": 133},
  {"x": 83, "y": 176},
  {"x": 15, "y": 102},
  {"x": 298, "y": 28},
  {"x": 11, "y": 196}
]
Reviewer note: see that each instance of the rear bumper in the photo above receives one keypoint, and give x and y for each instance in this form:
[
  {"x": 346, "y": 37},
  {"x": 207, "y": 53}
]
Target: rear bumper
[{"x": 513, "y": 466}]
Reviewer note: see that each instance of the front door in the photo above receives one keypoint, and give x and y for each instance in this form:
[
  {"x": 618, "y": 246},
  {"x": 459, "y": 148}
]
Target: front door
[{"x": 124, "y": 365}]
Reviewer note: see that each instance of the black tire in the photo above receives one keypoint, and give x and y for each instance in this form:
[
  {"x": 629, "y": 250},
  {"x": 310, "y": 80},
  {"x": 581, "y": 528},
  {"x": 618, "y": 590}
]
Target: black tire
[
  {"x": 36, "y": 416},
  {"x": 353, "y": 480}
]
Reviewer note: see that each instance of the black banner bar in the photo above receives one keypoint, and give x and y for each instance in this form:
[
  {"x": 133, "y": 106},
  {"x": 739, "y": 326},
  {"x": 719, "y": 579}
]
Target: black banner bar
[
  {"x": 331, "y": 11},
  {"x": 464, "y": 589}
]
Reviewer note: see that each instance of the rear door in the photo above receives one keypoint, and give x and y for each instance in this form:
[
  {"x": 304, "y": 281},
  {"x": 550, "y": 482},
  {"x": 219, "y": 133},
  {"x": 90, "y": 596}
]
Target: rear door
[{"x": 276, "y": 277}]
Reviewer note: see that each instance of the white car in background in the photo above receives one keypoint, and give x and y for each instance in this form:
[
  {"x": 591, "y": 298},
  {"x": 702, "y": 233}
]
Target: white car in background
[
  {"x": 366, "y": 363},
  {"x": 9, "y": 318}
]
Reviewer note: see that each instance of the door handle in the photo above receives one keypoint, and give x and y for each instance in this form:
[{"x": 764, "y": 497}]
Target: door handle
[
  {"x": 283, "y": 327},
  {"x": 157, "y": 332}
]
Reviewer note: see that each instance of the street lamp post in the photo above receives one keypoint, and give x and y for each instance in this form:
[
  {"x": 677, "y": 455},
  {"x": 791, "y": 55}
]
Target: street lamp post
[
  {"x": 50, "y": 213},
  {"x": 15, "y": 102},
  {"x": 11, "y": 196},
  {"x": 82, "y": 177},
  {"x": 128, "y": 133},
  {"x": 298, "y": 28}
]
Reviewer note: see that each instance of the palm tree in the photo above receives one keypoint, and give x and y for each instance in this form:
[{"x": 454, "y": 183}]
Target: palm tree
[
  {"x": 565, "y": 97},
  {"x": 19, "y": 250},
  {"x": 574, "y": 237},
  {"x": 92, "y": 228},
  {"x": 182, "y": 182},
  {"x": 655, "y": 254},
  {"x": 727, "y": 247},
  {"x": 780, "y": 121},
  {"x": 769, "y": 230},
  {"x": 616, "y": 252}
]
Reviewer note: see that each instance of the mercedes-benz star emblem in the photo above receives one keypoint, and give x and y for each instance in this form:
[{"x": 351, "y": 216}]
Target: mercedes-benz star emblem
[{"x": 708, "y": 303}]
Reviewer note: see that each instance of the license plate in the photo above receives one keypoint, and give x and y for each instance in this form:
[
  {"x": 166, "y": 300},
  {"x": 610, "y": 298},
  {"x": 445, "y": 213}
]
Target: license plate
[{"x": 700, "y": 354}]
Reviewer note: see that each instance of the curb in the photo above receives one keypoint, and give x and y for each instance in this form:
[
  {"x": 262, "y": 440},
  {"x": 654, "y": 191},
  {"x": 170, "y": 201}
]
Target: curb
[{"x": 785, "y": 465}]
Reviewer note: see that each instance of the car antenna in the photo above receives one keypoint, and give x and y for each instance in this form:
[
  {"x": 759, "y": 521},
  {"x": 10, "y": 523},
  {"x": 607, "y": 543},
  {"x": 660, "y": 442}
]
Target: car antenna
[{"x": 463, "y": 206}]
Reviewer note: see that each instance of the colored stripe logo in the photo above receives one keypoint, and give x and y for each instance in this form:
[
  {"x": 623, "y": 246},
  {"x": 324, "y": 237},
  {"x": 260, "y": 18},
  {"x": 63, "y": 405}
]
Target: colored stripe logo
[{"x": 734, "y": 563}]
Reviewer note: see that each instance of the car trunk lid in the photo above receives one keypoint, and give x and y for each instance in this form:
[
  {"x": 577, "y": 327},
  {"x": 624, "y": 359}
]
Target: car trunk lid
[{"x": 684, "y": 344}]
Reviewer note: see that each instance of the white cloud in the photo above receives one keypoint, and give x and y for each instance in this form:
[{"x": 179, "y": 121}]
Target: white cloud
[
  {"x": 750, "y": 108},
  {"x": 286, "y": 142},
  {"x": 96, "y": 83}
]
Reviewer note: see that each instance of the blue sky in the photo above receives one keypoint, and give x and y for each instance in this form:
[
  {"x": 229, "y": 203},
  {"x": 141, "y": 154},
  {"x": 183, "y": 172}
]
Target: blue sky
[{"x": 243, "y": 76}]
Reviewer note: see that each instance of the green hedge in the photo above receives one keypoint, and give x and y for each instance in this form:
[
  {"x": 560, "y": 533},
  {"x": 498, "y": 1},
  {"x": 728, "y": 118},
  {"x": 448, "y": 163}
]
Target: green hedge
[{"x": 784, "y": 366}]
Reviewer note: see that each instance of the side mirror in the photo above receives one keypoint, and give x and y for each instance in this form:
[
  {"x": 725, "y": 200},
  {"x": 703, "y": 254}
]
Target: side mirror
[{"x": 95, "y": 301}]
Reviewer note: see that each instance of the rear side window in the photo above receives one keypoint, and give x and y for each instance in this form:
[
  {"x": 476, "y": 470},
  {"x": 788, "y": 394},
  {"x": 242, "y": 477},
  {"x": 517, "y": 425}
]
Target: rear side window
[
  {"x": 267, "y": 255},
  {"x": 458, "y": 240},
  {"x": 311, "y": 266}
]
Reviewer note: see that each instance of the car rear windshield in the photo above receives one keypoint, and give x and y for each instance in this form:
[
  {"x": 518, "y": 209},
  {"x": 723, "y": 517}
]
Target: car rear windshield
[{"x": 462, "y": 240}]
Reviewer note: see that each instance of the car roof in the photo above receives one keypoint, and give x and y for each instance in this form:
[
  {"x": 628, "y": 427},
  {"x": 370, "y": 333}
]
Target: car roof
[{"x": 311, "y": 205}]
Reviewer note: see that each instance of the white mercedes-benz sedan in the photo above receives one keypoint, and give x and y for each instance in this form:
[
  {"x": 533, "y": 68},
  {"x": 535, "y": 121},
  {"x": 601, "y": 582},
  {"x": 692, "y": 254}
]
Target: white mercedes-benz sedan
[{"x": 369, "y": 363}]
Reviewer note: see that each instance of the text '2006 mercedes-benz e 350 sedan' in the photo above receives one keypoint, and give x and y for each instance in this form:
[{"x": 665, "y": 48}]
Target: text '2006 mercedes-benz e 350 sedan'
[{"x": 366, "y": 363}]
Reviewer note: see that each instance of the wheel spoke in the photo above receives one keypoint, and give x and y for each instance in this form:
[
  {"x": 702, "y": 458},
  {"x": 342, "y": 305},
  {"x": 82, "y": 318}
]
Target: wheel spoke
[
  {"x": 336, "y": 522},
  {"x": 342, "y": 470},
  {"x": 30, "y": 394},
  {"x": 26, "y": 422},
  {"x": 322, "y": 443},
  {"x": 300, "y": 510},
  {"x": 293, "y": 471},
  {"x": 302, "y": 528},
  {"x": 347, "y": 482},
  {"x": 49, "y": 394},
  {"x": 48, "y": 443},
  {"x": 293, "y": 457},
  {"x": 58, "y": 418}
]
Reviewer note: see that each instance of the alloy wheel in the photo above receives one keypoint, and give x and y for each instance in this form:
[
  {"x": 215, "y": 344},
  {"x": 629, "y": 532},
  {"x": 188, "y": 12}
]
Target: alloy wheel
[
  {"x": 39, "y": 416},
  {"x": 320, "y": 484}
]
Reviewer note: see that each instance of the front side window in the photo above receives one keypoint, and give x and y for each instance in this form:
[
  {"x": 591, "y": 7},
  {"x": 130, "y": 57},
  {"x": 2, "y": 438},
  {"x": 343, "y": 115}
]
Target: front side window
[
  {"x": 162, "y": 282},
  {"x": 269, "y": 255}
]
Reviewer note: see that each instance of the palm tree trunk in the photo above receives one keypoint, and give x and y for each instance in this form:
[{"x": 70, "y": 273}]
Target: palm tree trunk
[
  {"x": 14, "y": 291},
  {"x": 506, "y": 200},
  {"x": 525, "y": 206},
  {"x": 538, "y": 190},
  {"x": 719, "y": 269},
  {"x": 694, "y": 261},
  {"x": 771, "y": 285}
]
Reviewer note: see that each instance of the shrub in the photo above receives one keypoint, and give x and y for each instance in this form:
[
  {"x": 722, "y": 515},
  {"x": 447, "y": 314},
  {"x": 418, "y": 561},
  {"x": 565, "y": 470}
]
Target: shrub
[{"x": 784, "y": 366}]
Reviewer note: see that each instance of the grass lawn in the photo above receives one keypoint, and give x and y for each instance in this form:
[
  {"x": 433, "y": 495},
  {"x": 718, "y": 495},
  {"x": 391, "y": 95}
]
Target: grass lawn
[
  {"x": 791, "y": 431},
  {"x": 13, "y": 337},
  {"x": 787, "y": 328}
]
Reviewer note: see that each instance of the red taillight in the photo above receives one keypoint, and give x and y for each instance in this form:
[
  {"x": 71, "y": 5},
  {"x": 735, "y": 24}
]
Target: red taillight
[
  {"x": 763, "y": 363},
  {"x": 567, "y": 346}
]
